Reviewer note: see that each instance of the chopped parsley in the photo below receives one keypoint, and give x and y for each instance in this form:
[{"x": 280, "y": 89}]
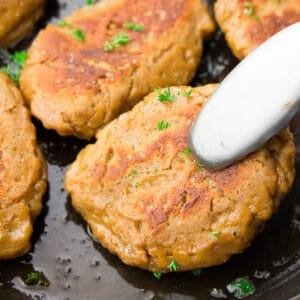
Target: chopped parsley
[
  {"x": 14, "y": 70},
  {"x": 257, "y": 18},
  {"x": 200, "y": 165},
  {"x": 78, "y": 34},
  {"x": 157, "y": 275},
  {"x": 118, "y": 40},
  {"x": 108, "y": 46},
  {"x": 215, "y": 234},
  {"x": 90, "y": 2},
  {"x": 173, "y": 266},
  {"x": 13, "y": 73},
  {"x": 197, "y": 272},
  {"x": 64, "y": 23},
  {"x": 163, "y": 125},
  {"x": 36, "y": 278},
  {"x": 187, "y": 94},
  {"x": 135, "y": 27},
  {"x": 241, "y": 287},
  {"x": 20, "y": 58},
  {"x": 133, "y": 172},
  {"x": 165, "y": 95},
  {"x": 187, "y": 151},
  {"x": 136, "y": 184},
  {"x": 249, "y": 8}
]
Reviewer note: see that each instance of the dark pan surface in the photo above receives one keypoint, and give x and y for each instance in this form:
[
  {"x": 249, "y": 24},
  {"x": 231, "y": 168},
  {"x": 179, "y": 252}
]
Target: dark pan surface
[{"x": 77, "y": 267}]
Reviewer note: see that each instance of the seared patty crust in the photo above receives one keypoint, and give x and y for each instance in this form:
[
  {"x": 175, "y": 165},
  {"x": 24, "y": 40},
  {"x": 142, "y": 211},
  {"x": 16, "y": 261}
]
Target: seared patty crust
[
  {"x": 247, "y": 24},
  {"x": 23, "y": 173},
  {"x": 148, "y": 200},
  {"x": 76, "y": 82},
  {"x": 17, "y": 18}
]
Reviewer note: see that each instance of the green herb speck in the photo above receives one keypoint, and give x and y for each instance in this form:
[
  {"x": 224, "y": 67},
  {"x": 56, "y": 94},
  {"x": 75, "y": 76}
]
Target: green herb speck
[
  {"x": 165, "y": 95},
  {"x": 90, "y": 2},
  {"x": 78, "y": 34},
  {"x": 108, "y": 46},
  {"x": 157, "y": 275},
  {"x": 118, "y": 40},
  {"x": 257, "y": 18},
  {"x": 63, "y": 23},
  {"x": 187, "y": 94},
  {"x": 173, "y": 266},
  {"x": 13, "y": 72},
  {"x": 20, "y": 57},
  {"x": 215, "y": 234},
  {"x": 241, "y": 287},
  {"x": 163, "y": 125},
  {"x": 135, "y": 27},
  {"x": 187, "y": 151},
  {"x": 36, "y": 278},
  {"x": 249, "y": 8}
]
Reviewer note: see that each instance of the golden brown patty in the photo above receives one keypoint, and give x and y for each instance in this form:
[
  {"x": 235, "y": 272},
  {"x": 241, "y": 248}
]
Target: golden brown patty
[
  {"x": 17, "y": 18},
  {"x": 75, "y": 86},
  {"x": 22, "y": 173},
  {"x": 247, "y": 24},
  {"x": 148, "y": 201}
]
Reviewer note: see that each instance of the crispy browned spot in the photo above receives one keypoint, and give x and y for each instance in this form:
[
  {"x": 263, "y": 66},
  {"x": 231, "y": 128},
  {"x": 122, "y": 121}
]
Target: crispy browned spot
[
  {"x": 159, "y": 147},
  {"x": 182, "y": 200},
  {"x": 82, "y": 65},
  {"x": 270, "y": 24},
  {"x": 229, "y": 177}
]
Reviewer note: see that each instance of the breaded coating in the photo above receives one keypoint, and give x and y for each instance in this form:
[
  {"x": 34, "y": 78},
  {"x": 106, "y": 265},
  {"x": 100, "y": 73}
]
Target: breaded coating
[
  {"x": 84, "y": 73},
  {"x": 247, "y": 24},
  {"x": 148, "y": 200},
  {"x": 23, "y": 173},
  {"x": 17, "y": 18}
]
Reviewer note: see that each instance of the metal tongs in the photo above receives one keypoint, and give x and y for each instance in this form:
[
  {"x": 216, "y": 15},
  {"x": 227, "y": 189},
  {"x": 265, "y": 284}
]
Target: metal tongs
[{"x": 253, "y": 103}]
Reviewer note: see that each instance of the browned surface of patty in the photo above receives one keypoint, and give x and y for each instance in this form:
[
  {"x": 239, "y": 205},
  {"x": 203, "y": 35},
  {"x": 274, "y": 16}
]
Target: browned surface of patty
[
  {"x": 23, "y": 173},
  {"x": 245, "y": 32},
  {"x": 75, "y": 87},
  {"x": 147, "y": 200},
  {"x": 17, "y": 18}
]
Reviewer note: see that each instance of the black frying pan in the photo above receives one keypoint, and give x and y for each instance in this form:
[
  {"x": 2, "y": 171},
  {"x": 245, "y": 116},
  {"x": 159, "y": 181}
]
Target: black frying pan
[{"x": 77, "y": 267}]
